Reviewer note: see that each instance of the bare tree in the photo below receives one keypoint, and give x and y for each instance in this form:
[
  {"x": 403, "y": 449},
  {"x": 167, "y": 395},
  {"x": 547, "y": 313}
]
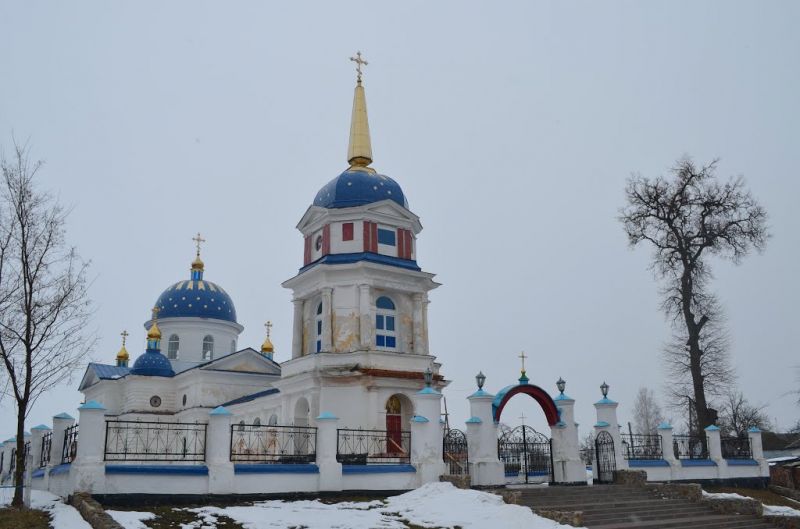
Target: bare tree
[
  {"x": 737, "y": 415},
  {"x": 687, "y": 218},
  {"x": 44, "y": 307},
  {"x": 646, "y": 412}
]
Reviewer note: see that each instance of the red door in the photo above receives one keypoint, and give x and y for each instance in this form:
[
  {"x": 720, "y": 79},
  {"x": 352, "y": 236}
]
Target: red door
[{"x": 394, "y": 443}]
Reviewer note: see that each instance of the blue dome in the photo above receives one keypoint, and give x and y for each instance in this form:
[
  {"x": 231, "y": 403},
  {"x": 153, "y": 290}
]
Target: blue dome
[
  {"x": 196, "y": 298},
  {"x": 357, "y": 188},
  {"x": 153, "y": 363}
]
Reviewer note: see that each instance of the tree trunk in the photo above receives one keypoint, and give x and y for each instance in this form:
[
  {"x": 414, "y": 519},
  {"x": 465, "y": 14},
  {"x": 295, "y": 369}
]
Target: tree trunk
[
  {"x": 19, "y": 470},
  {"x": 693, "y": 329}
]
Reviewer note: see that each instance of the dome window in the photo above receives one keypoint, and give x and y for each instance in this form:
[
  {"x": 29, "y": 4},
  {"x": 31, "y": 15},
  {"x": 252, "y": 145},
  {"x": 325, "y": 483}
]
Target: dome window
[
  {"x": 386, "y": 237},
  {"x": 208, "y": 347},
  {"x": 385, "y": 330},
  {"x": 173, "y": 347}
]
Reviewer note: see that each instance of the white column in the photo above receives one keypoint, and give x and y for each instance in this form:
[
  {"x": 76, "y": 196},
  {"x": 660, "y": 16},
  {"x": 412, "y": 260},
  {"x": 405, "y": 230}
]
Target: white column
[
  {"x": 61, "y": 422},
  {"x": 330, "y": 470},
  {"x": 365, "y": 317},
  {"x": 426, "y": 436},
  {"x": 606, "y": 410},
  {"x": 567, "y": 462},
  {"x": 419, "y": 325},
  {"x": 327, "y": 319},
  {"x": 297, "y": 329},
  {"x": 37, "y": 437},
  {"x": 88, "y": 469},
  {"x": 220, "y": 466},
  {"x": 757, "y": 450},
  {"x": 485, "y": 467},
  {"x": 668, "y": 451},
  {"x": 715, "y": 450}
]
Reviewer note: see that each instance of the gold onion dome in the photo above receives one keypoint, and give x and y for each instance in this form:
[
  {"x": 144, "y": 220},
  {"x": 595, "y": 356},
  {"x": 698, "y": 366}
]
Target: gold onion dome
[
  {"x": 154, "y": 333},
  {"x": 267, "y": 346},
  {"x": 123, "y": 354},
  {"x": 198, "y": 264}
]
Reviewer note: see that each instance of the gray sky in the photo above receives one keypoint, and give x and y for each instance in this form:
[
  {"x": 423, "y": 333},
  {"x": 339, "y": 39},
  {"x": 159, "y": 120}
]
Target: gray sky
[{"x": 511, "y": 127}]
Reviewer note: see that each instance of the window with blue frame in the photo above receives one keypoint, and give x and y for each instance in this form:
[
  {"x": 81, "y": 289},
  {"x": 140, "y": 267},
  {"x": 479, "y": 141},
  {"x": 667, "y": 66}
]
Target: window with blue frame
[
  {"x": 385, "y": 327},
  {"x": 318, "y": 323},
  {"x": 387, "y": 237}
]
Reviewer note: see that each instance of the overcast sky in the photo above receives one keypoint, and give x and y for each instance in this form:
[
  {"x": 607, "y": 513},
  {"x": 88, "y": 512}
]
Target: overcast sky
[{"x": 512, "y": 128}]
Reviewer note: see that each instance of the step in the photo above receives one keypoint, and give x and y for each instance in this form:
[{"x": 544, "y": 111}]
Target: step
[{"x": 704, "y": 522}]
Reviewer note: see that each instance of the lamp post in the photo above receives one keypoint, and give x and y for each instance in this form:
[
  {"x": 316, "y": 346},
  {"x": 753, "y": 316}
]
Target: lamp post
[
  {"x": 561, "y": 384},
  {"x": 428, "y": 377},
  {"x": 604, "y": 389},
  {"x": 480, "y": 378}
]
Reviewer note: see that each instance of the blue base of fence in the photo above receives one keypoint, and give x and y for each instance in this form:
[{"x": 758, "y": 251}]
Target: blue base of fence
[
  {"x": 742, "y": 462},
  {"x": 277, "y": 468},
  {"x": 698, "y": 463},
  {"x": 60, "y": 469},
  {"x": 198, "y": 470},
  {"x": 376, "y": 469},
  {"x": 38, "y": 473},
  {"x": 640, "y": 463}
]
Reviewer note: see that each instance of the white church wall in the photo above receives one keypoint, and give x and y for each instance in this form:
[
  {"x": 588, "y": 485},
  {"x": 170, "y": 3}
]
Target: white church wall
[{"x": 191, "y": 333}]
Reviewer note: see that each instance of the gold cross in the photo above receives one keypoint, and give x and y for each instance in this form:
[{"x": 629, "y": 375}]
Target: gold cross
[
  {"x": 523, "y": 357},
  {"x": 359, "y": 61},
  {"x": 156, "y": 310},
  {"x": 268, "y": 325},
  {"x": 197, "y": 239},
  {"x": 124, "y": 335}
]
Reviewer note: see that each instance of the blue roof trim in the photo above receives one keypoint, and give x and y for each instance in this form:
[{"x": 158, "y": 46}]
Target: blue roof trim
[
  {"x": 698, "y": 463},
  {"x": 60, "y": 469},
  {"x": 753, "y": 429},
  {"x": 108, "y": 372},
  {"x": 277, "y": 468},
  {"x": 419, "y": 418},
  {"x": 712, "y": 428},
  {"x": 39, "y": 473},
  {"x": 428, "y": 391},
  {"x": 480, "y": 393},
  {"x": 41, "y": 427},
  {"x": 474, "y": 420},
  {"x": 91, "y": 405},
  {"x": 182, "y": 470},
  {"x": 564, "y": 397},
  {"x": 64, "y": 416},
  {"x": 606, "y": 400},
  {"x": 347, "y": 258},
  {"x": 357, "y": 188},
  {"x": 377, "y": 469},
  {"x": 326, "y": 416},
  {"x": 601, "y": 424},
  {"x": 742, "y": 462},
  {"x": 643, "y": 463},
  {"x": 219, "y": 410},
  {"x": 665, "y": 426},
  {"x": 252, "y": 396}
]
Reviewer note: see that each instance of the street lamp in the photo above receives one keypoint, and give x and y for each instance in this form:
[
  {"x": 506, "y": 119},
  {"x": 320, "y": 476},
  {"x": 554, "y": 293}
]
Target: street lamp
[
  {"x": 604, "y": 389},
  {"x": 428, "y": 377},
  {"x": 561, "y": 384},
  {"x": 480, "y": 378}
]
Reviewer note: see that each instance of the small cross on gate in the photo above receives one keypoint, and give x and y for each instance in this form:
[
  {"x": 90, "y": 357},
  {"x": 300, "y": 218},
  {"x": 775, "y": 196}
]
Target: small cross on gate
[
  {"x": 523, "y": 357},
  {"x": 522, "y": 418},
  {"x": 359, "y": 61},
  {"x": 124, "y": 335},
  {"x": 268, "y": 326},
  {"x": 198, "y": 239}
]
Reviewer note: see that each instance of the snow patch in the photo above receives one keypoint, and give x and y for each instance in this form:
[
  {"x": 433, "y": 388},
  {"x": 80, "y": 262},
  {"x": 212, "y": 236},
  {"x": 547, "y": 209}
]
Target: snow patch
[
  {"x": 725, "y": 496},
  {"x": 63, "y": 516},
  {"x": 779, "y": 510},
  {"x": 131, "y": 519}
]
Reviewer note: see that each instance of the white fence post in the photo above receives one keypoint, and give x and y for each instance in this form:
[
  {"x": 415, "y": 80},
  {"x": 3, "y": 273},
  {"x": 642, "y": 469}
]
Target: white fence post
[
  {"x": 569, "y": 468},
  {"x": 61, "y": 422},
  {"x": 218, "y": 457},
  {"x": 426, "y": 436},
  {"x": 757, "y": 450},
  {"x": 330, "y": 470},
  {"x": 715, "y": 450},
  {"x": 484, "y": 464},
  {"x": 88, "y": 470},
  {"x": 606, "y": 410}
]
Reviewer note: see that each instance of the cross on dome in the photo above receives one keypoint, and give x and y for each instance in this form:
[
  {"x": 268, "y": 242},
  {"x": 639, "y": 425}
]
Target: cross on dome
[
  {"x": 359, "y": 61},
  {"x": 198, "y": 240},
  {"x": 124, "y": 335},
  {"x": 268, "y": 326},
  {"x": 523, "y": 357}
]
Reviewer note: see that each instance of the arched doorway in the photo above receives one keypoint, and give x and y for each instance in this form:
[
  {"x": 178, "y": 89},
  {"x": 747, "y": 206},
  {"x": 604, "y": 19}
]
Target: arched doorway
[
  {"x": 535, "y": 392},
  {"x": 398, "y": 424},
  {"x": 302, "y": 412},
  {"x": 606, "y": 458}
]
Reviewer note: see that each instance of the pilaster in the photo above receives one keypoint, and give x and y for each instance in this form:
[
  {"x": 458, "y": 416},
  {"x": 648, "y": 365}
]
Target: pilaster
[
  {"x": 365, "y": 317},
  {"x": 297, "y": 329},
  {"x": 327, "y": 319}
]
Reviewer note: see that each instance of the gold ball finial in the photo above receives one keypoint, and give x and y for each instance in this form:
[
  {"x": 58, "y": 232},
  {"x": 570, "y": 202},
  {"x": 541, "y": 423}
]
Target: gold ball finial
[
  {"x": 197, "y": 264},
  {"x": 154, "y": 333},
  {"x": 123, "y": 353},
  {"x": 267, "y": 346}
]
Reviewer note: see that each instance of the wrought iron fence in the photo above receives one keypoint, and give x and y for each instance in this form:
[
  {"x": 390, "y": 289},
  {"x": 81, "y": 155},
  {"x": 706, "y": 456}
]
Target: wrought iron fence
[
  {"x": 525, "y": 450},
  {"x": 257, "y": 443},
  {"x": 642, "y": 446},
  {"x": 70, "y": 447},
  {"x": 47, "y": 443},
  {"x": 690, "y": 446},
  {"x": 362, "y": 447},
  {"x": 155, "y": 441},
  {"x": 455, "y": 453},
  {"x": 736, "y": 448}
]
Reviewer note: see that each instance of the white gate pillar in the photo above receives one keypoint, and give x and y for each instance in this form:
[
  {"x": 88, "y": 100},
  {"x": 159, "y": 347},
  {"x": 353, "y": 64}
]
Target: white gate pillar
[
  {"x": 330, "y": 470},
  {"x": 426, "y": 436},
  {"x": 757, "y": 450},
  {"x": 218, "y": 446},
  {"x": 61, "y": 422},
  {"x": 606, "y": 410},
  {"x": 485, "y": 467},
  {"x": 88, "y": 470},
  {"x": 567, "y": 464}
]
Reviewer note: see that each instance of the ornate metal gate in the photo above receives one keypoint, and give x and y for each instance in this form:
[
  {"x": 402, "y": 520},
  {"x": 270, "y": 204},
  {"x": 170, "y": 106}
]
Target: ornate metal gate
[
  {"x": 606, "y": 460},
  {"x": 454, "y": 452},
  {"x": 524, "y": 450}
]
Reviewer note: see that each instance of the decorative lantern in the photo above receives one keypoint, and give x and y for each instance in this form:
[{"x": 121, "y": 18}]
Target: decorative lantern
[
  {"x": 604, "y": 389},
  {"x": 561, "y": 384},
  {"x": 480, "y": 378},
  {"x": 428, "y": 377}
]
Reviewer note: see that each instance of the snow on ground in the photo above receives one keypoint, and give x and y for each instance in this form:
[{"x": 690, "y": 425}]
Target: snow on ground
[
  {"x": 439, "y": 505},
  {"x": 725, "y": 496},
  {"x": 131, "y": 519},
  {"x": 63, "y": 516},
  {"x": 779, "y": 510}
]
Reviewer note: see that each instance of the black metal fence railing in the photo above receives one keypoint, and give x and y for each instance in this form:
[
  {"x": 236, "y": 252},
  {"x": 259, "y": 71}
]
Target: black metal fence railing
[
  {"x": 255, "y": 443},
  {"x": 155, "y": 441},
  {"x": 363, "y": 447},
  {"x": 642, "y": 446},
  {"x": 736, "y": 448},
  {"x": 455, "y": 453},
  {"x": 690, "y": 447},
  {"x": 70, "y": 447},
  {"x": 47, "y": 443}
]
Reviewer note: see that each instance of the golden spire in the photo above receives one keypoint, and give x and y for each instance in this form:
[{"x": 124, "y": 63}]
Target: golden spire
[
  {"x": 123, "y": 353},
  {"x": 359, "y": 151},
  {"x": 154, "y": 333},
  {"x": 197, "y": 264},
  {"x": 267, "y": 347}
]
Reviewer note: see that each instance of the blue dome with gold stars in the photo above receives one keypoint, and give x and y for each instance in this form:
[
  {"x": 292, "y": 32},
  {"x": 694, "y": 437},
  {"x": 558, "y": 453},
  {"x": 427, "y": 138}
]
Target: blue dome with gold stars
[
  {"x": 356, "y": 187},
  {"x": 196, "y": 298}
]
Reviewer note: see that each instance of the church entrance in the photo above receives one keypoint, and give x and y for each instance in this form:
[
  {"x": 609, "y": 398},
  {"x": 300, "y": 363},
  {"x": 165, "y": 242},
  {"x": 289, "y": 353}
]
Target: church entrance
[
  {"x": 526, "y": 453},
  {"x": 397, "y": 416}
]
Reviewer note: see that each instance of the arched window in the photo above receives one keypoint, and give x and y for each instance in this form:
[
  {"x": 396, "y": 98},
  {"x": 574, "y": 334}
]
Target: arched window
[
  {"x": 257, "y": 421},
  {"x": 318, "y": 323},
  {"x": 273, "y": 420},
  {"x": 233, "y": 346},
  {"x": 173, "y": 347},
  {"x": 385, "y": 333},
  {"x": 208, "y": 347},
  {"x": 241, "y": 426}
]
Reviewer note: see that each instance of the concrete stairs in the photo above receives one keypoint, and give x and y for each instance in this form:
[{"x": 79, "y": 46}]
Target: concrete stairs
[{"x": 624, "y": 507}]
